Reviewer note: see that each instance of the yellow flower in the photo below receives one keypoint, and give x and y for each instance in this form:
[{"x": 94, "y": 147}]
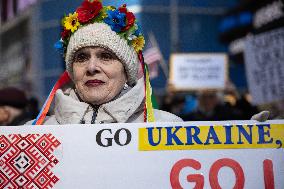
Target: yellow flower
[
  {"x": 63, "y": 21},
  {"x": 71, "y": 22},
  {"x": 138, "y": 43},
  {"x": 105, "y": 9},
  {"x": 110, "y": 8}
]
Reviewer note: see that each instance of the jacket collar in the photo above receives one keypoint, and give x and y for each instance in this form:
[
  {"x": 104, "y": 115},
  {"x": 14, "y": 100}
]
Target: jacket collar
[
  {"x": 122, "y": 108},
  {"x": 70, "y": 110}
]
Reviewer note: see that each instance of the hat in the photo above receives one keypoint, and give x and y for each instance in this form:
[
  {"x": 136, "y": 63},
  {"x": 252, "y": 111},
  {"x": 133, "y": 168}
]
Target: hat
[
  {"x": 13, "y": 97},
  {"x": 104, "y": 26}
]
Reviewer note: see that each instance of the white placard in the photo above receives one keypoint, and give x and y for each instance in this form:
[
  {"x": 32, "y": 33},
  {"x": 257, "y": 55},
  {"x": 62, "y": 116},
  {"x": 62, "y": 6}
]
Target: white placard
[
  {"x": 198, "y": 71},
  {"x": 113, "y": 156},
  {"x": 264, "y": 61}
]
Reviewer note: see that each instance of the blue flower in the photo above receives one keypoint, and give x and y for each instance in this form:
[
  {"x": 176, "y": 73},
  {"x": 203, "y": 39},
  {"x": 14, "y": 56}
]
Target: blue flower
[
  {"x": 138, "y": 30},
  {"x": 59, "y": 46},
  {"x": 115, "y": 19}
]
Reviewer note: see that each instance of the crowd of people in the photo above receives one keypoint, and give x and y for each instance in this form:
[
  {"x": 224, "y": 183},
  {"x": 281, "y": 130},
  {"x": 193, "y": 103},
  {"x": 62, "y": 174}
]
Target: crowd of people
[{"x": 210, "y": 105}]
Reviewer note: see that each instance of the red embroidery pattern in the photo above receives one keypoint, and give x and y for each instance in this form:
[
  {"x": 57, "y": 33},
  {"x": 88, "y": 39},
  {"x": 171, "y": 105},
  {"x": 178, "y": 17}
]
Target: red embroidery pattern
[{"x": 26, "y": 161}]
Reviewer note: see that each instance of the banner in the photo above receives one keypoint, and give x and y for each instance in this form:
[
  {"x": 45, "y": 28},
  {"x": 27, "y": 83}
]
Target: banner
[
  {"x": 264, "y": 56},
  {"x": 197, "y": 71},
  {"x": 228, "y": 154}
]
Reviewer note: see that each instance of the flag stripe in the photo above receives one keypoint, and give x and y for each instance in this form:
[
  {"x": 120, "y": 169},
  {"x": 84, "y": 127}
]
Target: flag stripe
[
  {"x": 151, "y": 50},
  {"x": 152, "y": 57},
  {"x": 152, "y": 60},
  {"x": 153, "y": 54}
]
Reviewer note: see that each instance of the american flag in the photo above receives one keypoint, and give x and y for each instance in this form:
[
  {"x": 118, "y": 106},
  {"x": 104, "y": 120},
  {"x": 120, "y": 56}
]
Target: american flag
[{"x": 152, "y": 56}]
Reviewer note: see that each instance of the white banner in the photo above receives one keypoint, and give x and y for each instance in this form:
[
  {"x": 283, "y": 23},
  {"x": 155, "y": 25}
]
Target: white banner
[
  {"x": 242, "y": 154},
  {"x": 264, "y": 61},
  {"x": 196, "y": 71}
]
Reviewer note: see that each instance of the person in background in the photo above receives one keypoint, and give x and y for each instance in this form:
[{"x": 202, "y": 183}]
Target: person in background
[
  {"x": 240, "y": 103},
  {"x": 13, "y": 107},
  {"x": 245, "y": 106},
  {"x": 173, "y": 103}
]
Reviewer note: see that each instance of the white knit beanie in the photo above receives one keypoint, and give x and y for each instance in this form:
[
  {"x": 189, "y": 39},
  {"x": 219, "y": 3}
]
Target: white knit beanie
[{"x": 101, "y": 35}]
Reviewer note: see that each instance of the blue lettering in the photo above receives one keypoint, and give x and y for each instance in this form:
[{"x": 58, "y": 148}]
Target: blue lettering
[
  {"x": 243, "y": 132},
  {"x": 262, "y": 134},
  {"x": 212, "y": 135},
  {"x": 150, "y": 136},
  {"x": 228, "y": 129},
  {"x": 172, "y": 136},
  {"x": 193, "y": 136}
]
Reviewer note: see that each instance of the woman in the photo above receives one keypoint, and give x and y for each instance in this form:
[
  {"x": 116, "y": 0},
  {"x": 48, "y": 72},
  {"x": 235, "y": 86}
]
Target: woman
[{"x": 103, "y": 51}]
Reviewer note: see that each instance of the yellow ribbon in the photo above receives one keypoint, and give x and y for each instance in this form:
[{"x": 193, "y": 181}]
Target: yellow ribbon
[{"x": 149, "y": 106}]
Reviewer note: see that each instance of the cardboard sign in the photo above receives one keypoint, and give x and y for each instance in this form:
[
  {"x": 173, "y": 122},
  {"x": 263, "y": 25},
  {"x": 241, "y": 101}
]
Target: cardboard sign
[
  {"x": 264, "y": 61},
  {"x": 240, "y": 154},
  {"x": 197, "y": 71}
]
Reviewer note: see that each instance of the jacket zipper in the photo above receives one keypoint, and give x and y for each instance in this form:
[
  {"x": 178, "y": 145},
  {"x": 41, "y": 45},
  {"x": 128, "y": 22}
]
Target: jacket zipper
[
  {"x": 95, "y": 108},
  {"x": 94, "y": 116}
]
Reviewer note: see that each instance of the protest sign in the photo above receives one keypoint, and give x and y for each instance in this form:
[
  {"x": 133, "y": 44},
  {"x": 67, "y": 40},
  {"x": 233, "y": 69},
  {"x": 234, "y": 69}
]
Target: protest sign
[
  {"x": 240, "y": 154},
  {"x": 264, "y": 61},
  {"x": 197, "y": 71}
]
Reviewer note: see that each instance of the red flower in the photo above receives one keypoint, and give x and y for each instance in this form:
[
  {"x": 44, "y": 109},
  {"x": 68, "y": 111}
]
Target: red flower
[
  {"x": 65, "y": 34},
  {"x": 130, "y": 18},
  {"x": 123, "y": 9},
  {"x": 88, "y": 10}
]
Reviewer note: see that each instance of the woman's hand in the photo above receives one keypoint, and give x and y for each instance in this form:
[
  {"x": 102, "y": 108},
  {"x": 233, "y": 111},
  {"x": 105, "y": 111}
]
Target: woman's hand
[{"x": 261, "y": 116}]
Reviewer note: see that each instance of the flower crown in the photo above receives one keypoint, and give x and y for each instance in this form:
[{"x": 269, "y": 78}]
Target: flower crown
[{"x": 120, "y": 20}]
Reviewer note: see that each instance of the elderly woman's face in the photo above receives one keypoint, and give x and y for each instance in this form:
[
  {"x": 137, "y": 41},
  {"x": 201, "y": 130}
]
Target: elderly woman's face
[{"x": 98, "y": 75}]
